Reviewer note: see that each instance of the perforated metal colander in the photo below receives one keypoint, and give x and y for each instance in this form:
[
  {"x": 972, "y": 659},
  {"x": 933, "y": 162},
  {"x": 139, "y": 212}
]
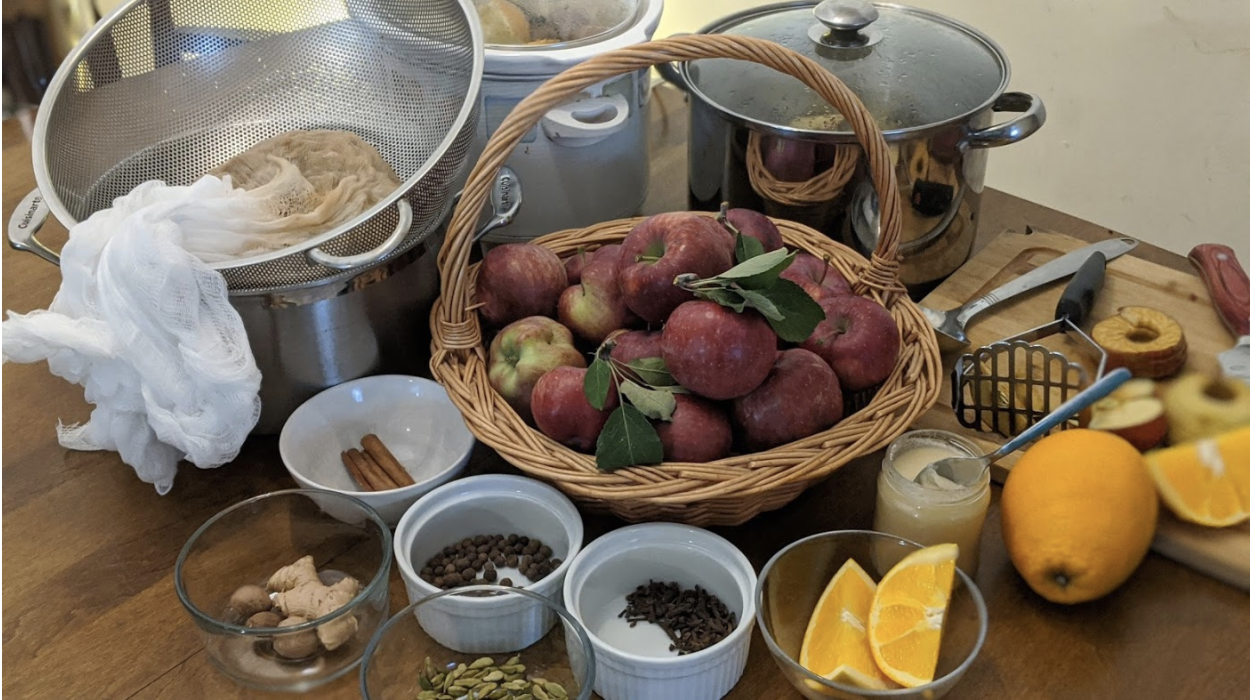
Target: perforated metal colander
[{"x": 168, "y": 89}]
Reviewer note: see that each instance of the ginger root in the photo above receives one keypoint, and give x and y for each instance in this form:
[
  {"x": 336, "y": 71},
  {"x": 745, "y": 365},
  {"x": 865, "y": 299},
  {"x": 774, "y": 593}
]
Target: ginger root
[
  {"x": 302, "y": 594},
  {"x": 295, "y": 645}
]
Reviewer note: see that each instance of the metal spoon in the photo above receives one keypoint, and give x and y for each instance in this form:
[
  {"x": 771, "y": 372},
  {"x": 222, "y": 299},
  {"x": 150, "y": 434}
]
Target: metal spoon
[{"x": 967, "y": 470}]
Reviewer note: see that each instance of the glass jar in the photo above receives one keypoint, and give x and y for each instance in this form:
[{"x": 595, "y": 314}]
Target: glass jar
[{"x": 936, "y": 513}]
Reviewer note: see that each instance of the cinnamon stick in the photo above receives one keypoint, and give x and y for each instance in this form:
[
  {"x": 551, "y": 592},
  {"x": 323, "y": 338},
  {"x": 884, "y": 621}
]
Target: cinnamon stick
[
  {"x": 356, "y": 474},
  {"x": 385, "y": 459},
  {"x": 378, "y": 479}
]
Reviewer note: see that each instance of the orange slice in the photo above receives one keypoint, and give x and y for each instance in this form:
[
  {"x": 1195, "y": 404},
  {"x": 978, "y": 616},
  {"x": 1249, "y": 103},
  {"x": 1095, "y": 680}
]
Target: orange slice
[
  {"x": 1206, "y": 481},
  {"x": 835, "y": 645},
  {"x": 905, "y": 625}
]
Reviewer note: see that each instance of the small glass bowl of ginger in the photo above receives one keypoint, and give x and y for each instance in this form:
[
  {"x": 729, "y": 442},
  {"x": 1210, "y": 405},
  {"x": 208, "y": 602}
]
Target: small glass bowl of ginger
[{"x": 287, "y": 588}]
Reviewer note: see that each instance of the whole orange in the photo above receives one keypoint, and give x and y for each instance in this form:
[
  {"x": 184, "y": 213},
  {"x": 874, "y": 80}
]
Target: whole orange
[{"x": 1079, "y": 513}]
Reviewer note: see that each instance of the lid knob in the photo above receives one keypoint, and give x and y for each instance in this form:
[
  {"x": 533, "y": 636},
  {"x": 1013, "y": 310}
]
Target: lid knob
[{"x": 846, "y": 15}]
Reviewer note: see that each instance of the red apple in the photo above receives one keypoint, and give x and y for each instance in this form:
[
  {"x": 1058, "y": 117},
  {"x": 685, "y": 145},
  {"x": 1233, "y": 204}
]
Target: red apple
[
  {"x": 699, "y": 431},
  {"x": 817, "y": 278},
  {"x": 859, "y": 340},
  {"x": 563, "y": 413},
  {"x": 575, "y": 265},
  {"x": 518, "y": 280},
  {"x": 757, "y": 226},
  {"x": 1132, "y": 412},
  {"x": 716, "y": 352},
  {"x": 594, "y": 307},
  {"x": 661, "y": 247},
  {"x": 789, "y": 160},
  {"x": 523, "y": 352},
  {"x": 800, "y": 397},
  {"x": 636, "y": 345}
]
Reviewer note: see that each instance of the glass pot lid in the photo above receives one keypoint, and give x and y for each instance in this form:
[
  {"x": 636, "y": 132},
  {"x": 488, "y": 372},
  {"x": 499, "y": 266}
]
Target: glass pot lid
[
  {"x": 911, "y": 68},
  {"x": 552, "y": 23}
]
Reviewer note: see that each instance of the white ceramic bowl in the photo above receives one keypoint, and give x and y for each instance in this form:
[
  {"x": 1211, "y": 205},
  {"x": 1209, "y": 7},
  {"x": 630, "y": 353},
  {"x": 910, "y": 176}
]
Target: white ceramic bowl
[
  {"x": 633, "y": 662},
  {"x": 413, "y": 416},
  {"x": 487, "y": 504}
]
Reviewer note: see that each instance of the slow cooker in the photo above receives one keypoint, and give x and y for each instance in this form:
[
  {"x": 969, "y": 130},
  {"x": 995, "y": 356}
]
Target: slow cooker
[{"x": 587, "y": 161}]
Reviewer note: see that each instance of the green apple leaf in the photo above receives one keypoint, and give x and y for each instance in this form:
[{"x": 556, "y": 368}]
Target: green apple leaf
[
  {"x": 800, "y": 313},
  {"x": 762, "y": 303},
  {"x": 652, "y": 371},
  {"x": 747, "y": 247},
  {"x": 724, "y": 297},
  {"x": 653, "y": 403},
  {"x": 759, "y": 272},
  {"x": 628, "y": 440},
  {"x": 597, "y": 383}
]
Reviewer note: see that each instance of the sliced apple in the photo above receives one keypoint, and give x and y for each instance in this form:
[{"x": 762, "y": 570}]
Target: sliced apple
[{"x": 1132, "y": 412}]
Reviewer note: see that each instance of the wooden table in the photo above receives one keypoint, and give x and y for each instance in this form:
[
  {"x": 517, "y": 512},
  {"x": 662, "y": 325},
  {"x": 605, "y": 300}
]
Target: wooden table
[{"x": 89, "y": 550}]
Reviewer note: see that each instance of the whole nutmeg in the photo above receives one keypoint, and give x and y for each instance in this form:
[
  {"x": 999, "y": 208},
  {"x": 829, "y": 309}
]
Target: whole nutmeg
[
  {"x": 265, "y": 618},
  {"x": 246, "y": 602},
  {"x": 295, "y": 645}
]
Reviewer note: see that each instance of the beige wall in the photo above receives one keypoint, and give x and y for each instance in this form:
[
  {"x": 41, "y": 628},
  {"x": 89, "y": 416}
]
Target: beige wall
[{"x": 1147, "y": 130}]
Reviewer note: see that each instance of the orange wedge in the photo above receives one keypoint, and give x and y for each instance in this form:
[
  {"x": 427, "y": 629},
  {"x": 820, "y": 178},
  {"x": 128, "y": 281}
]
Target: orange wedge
[
  {"x": 1206, "y": 481},
  {"x": 835, "y": 645},
  {"x": 905, "y": 625}
]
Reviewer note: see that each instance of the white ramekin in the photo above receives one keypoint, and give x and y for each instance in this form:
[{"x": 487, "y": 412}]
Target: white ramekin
[
  {"x": 413, "y": 416},
  {"x": 613, "y": 565},
  {"x": 485, "y": 505}
]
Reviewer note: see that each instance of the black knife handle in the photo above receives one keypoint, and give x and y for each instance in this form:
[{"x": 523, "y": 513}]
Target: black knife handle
[{"x": 1079, "y": 296}]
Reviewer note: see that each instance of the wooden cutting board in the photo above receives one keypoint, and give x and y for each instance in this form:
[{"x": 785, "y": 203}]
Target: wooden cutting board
[{"x": 1225, "y": 553}]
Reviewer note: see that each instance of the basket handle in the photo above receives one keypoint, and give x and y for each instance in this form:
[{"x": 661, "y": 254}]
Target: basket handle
[{"x": 456, "y": 327}]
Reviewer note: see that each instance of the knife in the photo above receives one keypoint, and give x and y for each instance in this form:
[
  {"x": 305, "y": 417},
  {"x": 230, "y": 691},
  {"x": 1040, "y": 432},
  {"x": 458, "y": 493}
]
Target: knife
[
  {"x": 950, "y": 324},
  {"x": 1231, "y": 296}
]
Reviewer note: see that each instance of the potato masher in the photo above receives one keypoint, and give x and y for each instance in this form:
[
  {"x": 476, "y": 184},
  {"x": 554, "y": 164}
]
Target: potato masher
[{"x": 1013, "y": 383}]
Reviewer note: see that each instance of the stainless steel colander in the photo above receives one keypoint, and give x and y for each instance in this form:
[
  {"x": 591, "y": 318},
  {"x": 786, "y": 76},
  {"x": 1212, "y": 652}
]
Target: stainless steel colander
[{"x": 168, "y": 89}]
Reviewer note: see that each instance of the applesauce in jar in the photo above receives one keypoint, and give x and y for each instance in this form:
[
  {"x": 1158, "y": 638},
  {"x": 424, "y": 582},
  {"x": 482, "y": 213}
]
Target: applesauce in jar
[{"x": 939, "y": 512}]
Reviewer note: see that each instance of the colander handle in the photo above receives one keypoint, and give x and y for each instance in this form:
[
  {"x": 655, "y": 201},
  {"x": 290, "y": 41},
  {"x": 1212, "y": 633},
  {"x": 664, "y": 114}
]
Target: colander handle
[
  {"x": 405, "y": 218},
  {"x": 26, "y": 221}
]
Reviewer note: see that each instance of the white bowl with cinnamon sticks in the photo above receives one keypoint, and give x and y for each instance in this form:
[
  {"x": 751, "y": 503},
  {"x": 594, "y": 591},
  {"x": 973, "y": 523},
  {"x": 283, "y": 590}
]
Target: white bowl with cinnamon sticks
[{"x": 386, "y": 440}]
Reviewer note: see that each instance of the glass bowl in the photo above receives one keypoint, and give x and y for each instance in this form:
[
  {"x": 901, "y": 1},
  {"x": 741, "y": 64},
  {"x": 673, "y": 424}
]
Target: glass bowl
[
  {"x": 398, "y": 654},
  {"x": 250, "y": 541},
  {"x": 793, "y": 580}
]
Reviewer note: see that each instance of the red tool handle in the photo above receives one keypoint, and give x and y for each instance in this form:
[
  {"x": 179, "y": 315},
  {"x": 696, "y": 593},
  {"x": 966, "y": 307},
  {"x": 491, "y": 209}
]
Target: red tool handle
[{"x": 1227, "y": 283}]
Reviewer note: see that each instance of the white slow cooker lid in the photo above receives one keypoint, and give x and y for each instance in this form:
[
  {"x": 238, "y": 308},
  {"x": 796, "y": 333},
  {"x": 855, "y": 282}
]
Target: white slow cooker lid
[{"x": 584, "y": 26}]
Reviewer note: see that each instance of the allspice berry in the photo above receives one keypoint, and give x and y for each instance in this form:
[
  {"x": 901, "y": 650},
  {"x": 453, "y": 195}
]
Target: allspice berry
[{"x": 295, "y": 645}]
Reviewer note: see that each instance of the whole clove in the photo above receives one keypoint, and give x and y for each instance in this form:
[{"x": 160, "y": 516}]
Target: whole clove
[{"x": 693, "y": 618}]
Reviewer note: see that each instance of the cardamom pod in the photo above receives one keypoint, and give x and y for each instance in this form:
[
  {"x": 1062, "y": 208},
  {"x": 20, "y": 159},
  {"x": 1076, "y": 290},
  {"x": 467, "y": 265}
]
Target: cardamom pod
[
  {"x": 498, "y": 694},
  {"x": 540, "y": 693},
  {"x": 429, "y": 695},
  {"x": 424, "y": 683},
  {"x": 555, "y": 691},
  {"x": 438, "y": 680},
  {"x": 493, "y": 676},
  {"x": 515, "y": 684},
  {"x": 524, "y": 696},
  {"x": 482, "y": 662},
  {"x": 512, "y": 661}
]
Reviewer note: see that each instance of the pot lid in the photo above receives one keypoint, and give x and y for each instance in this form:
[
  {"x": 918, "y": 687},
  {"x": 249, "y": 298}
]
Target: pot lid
[{"x": 911, "y": 68}]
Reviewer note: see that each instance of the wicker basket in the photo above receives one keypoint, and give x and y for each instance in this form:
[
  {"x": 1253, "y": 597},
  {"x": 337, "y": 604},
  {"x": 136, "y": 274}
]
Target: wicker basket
[{"x": 735, "y": 489}]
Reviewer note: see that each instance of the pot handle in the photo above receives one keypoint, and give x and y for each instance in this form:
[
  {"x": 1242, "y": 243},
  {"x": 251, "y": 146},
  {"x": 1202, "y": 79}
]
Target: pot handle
[
  {"x": 1033, "y": 116},
  {"x": 405, "y": 217},
  {"x": 587, "y": 121},
  {"x": 27, "y": 219}
]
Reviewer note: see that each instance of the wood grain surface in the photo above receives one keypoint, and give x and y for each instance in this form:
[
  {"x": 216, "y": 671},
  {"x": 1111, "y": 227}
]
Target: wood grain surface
[{"x": 89, "y": 609}]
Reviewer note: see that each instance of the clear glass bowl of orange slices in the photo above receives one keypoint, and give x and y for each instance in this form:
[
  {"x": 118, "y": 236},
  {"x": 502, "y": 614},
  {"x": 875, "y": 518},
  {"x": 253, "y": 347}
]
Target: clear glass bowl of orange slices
[{"x": 857, "y": 614}]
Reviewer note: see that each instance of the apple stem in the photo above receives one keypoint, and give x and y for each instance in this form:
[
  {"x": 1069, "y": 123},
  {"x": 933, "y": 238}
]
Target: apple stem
[
  {"x": 722, "y": 219},
  {"x": 647, "y": 258},
  {"x": 1061, "y": 580}
]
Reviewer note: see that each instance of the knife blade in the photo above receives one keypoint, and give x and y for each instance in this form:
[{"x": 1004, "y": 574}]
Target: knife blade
[
  {"x": 950, "y": 325},
  {"x": 1230, "y": 289}
]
